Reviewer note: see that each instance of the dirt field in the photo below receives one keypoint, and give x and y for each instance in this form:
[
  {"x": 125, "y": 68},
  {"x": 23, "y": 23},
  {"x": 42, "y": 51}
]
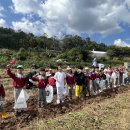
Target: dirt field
[{"x": 108, "y": 111}]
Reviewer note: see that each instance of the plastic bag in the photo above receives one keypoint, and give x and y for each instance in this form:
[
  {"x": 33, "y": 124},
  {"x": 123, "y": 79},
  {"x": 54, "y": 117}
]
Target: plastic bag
[
  {"x": 102, "y": 84},
  {"x": 114, "y": 75},
  {"x": 21, "y": 101},
  {"x": 2, "y": 103},
  {"x": 49, "y": 94},
  {"x": 125, "y": 75},
  {"x": 65, "y": 91}
]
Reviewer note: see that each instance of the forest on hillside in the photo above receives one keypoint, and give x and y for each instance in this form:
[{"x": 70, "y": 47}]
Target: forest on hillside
[{"x": 29, "y": 49}]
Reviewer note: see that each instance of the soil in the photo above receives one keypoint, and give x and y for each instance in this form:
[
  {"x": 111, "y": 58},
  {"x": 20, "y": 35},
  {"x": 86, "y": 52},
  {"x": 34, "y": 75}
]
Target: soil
[{"x": 52, "y": 110}]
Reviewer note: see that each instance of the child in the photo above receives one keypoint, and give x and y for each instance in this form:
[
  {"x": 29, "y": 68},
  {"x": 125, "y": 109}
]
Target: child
[
  {"x": 34, "y": 72},
  {"x": 2, "y": 99},
  {"x": 103, "y": 80},
  {"x": 98, "y": 79},
  {"x": 42, "y": 83},
  {"x": 87, "y": 81},
  {"x": 92, "y": 76},
  {"x": 70, "y": 81},
  {"x": 121, "y": 75},
  {"x": 80, "y": 82},
  {"x": 52, "y": 82},
  {"x": 125, "y": 76},
  {"x": 19, "y": 82},
  {"x": 60, "y": 78},
  {"x": 109, "y": 76},
  {"x": 114, "y": 78}
]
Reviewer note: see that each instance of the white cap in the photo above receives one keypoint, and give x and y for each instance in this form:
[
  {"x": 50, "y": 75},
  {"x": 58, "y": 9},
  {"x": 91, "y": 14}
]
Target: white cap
[
  {"x": 20, "y": 67},
  {"x": 105, "y": 70},
  {"x": 48, "y": 74},
  {"x": 86, "y": 68},
  {"x": 69, "y": 68}
]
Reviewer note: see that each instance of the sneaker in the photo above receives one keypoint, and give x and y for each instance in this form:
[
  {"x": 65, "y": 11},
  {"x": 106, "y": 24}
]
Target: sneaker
[
  {"x": 43, "y": 105},
  {"x": 100, "y": 90},
  {"x": 62, "y": 101},
  {"x": 114, "y": 86},
  {"x": 38, "y": 105},
  {"x": 108, "y": 86},
  {"x": 4, "y": 115},
  {"x": 58, "y": 101},
  {"x": 95, "y": 93}
]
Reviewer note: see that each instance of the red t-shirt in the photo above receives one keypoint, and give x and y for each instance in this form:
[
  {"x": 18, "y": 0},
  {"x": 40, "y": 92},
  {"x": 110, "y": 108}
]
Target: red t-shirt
[
  {"x": 52, "y": 81},
  {"x": 70, "y": 80}
]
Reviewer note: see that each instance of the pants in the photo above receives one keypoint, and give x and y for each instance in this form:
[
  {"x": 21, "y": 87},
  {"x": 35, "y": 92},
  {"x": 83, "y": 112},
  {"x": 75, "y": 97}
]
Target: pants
[
  {"x": 70, "y": 86},
  {"x": 102, "y": 84},
  {"x": 114, "y": 81},
  {"x": 1, "y": 104},
  {"x": 78, "y": 90},
  {"x": 120, "y": 79},
  {"x": 125, "y": 79},
  {"x": 42, "y": 96},
  {"x": 87, "y": 89},
  {"x": 54, "y": 89},
  {"x": 95, "y": 87},
  {"x": 108, "y": 78},
  {"x": 60, "y": 90}
]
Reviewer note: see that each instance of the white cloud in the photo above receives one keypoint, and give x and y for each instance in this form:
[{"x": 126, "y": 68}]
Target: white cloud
[
  {"x": 25, "y": 6},
  {"x": 76, "y": 16},
  {"x": 1, "y": 11},
  {"x": 27, "y": 26},
  {"x": 2, "y": 23},
  {"x": 121, "y": 43}
]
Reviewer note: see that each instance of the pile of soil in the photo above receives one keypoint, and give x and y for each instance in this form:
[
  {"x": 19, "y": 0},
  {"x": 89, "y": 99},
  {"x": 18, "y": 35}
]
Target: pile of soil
[{"x": 52, "y": 110}]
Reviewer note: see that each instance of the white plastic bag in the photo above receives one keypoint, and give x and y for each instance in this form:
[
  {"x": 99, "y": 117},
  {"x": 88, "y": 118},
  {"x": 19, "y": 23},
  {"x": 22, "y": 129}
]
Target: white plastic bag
[
  {"x": 102, "y": 84},
  {"x": 21, "y": 101},
  {"x": 114, "y": 75},
  {"x": 49, "y": 94},
  {"x": 26, "y": 95},
  {"x": 2, "y": 103},
  {"x": 65, "y": 91},
  {"x": 125, "y": 75}
]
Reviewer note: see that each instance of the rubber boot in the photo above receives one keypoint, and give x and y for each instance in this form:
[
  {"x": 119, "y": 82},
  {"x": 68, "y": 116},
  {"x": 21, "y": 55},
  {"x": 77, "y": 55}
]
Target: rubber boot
[{"x": 4, "y": 115}]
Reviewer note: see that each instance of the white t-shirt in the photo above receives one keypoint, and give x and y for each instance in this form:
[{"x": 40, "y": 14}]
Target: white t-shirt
[{"x": 60, "y": 79}]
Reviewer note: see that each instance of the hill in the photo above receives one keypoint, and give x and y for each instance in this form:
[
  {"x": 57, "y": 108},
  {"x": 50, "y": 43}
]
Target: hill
[{"x": 29, "y": 49}]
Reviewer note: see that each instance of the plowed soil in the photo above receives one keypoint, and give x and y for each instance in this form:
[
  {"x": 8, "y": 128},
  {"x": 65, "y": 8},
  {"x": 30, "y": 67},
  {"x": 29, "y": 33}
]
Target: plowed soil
[{"x": 52, "y": 110}]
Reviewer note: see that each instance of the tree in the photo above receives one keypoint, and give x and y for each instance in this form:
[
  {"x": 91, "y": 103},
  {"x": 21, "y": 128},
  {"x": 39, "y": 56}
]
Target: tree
[{"x": 22, "y": 54}]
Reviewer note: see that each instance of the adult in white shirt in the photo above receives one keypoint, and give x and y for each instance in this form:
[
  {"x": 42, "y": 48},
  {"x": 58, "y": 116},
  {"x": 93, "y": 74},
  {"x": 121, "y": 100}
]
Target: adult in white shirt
[{"x": 60, "y": 78}]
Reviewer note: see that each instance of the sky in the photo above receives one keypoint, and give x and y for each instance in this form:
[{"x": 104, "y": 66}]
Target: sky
[{"x": 106, "y": 21}]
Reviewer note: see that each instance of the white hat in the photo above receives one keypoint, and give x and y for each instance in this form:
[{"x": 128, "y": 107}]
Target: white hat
[
  {"x": 105, "y": 70},
  {"x": 48, "y": 74},
  {"x": 69, "y": 68},
  {"x": 20, "y": 67},
  {"x": 86, "y": 68}
]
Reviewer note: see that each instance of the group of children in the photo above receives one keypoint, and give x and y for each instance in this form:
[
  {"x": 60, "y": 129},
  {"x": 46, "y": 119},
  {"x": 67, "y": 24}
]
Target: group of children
[{"x": 79, "y": 82}]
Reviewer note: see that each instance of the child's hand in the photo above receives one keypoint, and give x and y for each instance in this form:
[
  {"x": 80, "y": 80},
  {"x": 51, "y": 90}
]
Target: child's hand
[
  {"x": 36, "y": 84},
  {"x": 24, "y": 87},
  {"x": 8, "y": 66}
]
